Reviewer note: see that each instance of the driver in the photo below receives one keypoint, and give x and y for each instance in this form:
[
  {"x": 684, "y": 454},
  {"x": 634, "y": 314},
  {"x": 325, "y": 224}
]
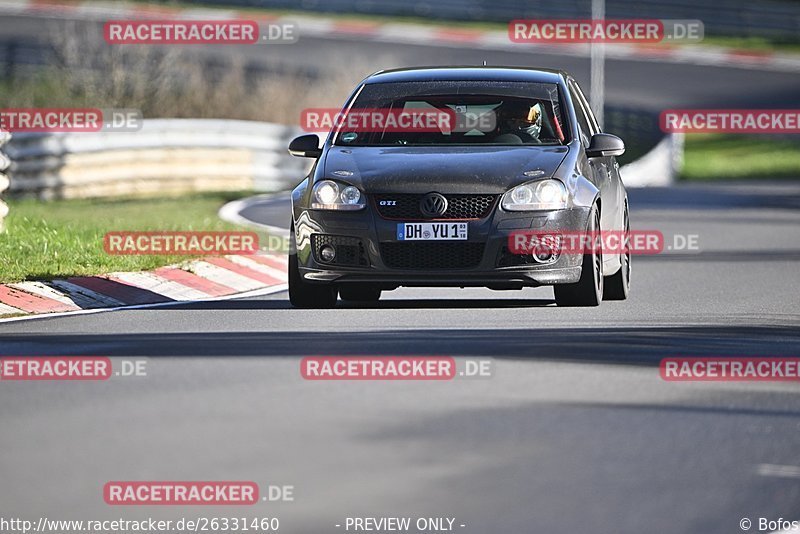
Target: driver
[{"x": 519, "y": 122}]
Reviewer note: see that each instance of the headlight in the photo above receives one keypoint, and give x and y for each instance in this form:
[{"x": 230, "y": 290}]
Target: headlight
[
  {"x": 538, "y": 195},
  {"x": 330, "y": 195},
  {"x": 350, "y": 195}
]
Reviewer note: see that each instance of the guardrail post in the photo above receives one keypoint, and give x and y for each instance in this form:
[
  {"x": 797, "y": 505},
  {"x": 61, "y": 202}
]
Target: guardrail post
[
  {"x": 9, "y": 59},
  {"x": 4, "y": 164}
]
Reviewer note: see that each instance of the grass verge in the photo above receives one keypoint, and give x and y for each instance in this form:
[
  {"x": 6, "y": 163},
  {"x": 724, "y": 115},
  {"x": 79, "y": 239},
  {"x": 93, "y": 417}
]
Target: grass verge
[
  {"x": 46, "y": 240},
  {"x": 726, "y": 157}
]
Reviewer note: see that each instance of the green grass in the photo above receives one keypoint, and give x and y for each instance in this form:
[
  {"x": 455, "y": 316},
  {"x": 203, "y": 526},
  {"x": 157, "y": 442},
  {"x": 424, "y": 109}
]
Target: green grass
[
  {"x": 726, "y": 157},
  {"x": 44, "y": 89},
  {"x": 46, "y": 240}
]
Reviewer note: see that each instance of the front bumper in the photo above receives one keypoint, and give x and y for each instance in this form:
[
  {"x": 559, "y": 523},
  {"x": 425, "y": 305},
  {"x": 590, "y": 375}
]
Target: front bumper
[{"x": 376, "y": 257}]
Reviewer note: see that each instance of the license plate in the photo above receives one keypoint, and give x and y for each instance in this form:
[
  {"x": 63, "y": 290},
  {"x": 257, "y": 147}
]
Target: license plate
[{"x": 434, "y": 231}]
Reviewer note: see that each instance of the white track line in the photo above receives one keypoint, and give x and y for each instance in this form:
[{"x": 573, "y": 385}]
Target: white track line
[
  {"x": 231, "y": 212},
  {"x": 162, "y": 286},
  {"x": 8, "y": 310},
  {"x": 244, "y": 261},
  {"x": 778, "y": 471},
  {"x": 43, "y": 290},
  {"x": 224, "y": 276}
]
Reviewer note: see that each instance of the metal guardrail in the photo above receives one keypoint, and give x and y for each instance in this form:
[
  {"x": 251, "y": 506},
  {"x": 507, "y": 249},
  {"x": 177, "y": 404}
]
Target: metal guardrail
[
  {"x": 4, "y": 182},
  {"x": 167, "y": 156}
]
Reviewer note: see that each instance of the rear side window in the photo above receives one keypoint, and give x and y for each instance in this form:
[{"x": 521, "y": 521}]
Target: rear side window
[
  {"x": 580, "y": 113},
  {"x": 593, "y": 125}
]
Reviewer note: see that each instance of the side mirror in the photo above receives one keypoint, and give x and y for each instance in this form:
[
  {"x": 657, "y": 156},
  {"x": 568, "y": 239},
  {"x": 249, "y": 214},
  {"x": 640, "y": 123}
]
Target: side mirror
[
  {"x": 604, "y": 144},
  {"x": 305, "y": 146}
]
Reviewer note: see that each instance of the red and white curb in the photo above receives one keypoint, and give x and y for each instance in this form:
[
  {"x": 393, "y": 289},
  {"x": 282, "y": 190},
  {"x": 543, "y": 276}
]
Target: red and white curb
[
  {"x": 419, "y": 34},
  {"x": 207, "y": 279}
]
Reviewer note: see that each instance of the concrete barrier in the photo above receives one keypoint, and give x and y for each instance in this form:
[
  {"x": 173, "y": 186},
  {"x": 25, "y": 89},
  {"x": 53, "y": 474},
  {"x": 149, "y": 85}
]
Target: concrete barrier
[{"x": 658, "y": 168}]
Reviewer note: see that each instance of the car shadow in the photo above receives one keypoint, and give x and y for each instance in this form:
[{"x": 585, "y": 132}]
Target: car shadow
[
  {"x": 385, "y": 304},
  {"x": 643, "y": 345}
]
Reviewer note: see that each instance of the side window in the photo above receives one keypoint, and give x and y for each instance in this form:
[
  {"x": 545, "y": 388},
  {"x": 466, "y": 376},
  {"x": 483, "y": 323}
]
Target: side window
[
  {"x": 595, "y": 127},
  {"x": 583, "y": 122}
]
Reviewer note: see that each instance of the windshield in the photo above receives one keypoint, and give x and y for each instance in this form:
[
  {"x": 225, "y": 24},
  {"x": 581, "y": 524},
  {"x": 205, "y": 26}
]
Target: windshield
[{"x": 454, "y": 113}]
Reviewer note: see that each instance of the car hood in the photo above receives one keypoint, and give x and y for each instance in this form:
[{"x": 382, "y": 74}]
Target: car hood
[{"x": 462, "y": 169}]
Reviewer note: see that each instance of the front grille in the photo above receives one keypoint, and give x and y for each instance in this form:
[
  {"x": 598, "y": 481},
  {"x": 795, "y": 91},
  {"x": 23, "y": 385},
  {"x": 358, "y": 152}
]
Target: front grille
[
  {"x": 432, "y": 255},
  {"x": 406, "y": 206},
  {"x": 350, "y": 251}
]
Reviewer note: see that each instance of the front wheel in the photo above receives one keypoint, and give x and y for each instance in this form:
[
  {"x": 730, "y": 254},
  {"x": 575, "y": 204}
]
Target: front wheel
[
  {"x": 301, "y": 293},
  {"x": 618, "y": 285},
  {"x": 588, "y": 291}
]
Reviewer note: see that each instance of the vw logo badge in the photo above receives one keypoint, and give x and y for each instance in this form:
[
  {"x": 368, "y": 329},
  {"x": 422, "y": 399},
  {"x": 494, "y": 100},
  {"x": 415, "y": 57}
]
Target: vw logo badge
[{"x": 433, "y": 205}]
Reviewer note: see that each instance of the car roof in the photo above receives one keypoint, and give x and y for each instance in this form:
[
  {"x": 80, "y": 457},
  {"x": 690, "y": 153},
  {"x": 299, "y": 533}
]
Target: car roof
[{"x": 467, "y": 73}]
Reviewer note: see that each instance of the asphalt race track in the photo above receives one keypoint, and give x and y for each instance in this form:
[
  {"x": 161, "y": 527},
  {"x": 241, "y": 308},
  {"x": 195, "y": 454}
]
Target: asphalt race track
[{"x": 574, "y": 431}]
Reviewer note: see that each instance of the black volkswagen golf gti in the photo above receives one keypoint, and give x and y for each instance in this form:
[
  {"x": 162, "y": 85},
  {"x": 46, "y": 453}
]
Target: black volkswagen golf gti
[{"x": 429, "y": 175}]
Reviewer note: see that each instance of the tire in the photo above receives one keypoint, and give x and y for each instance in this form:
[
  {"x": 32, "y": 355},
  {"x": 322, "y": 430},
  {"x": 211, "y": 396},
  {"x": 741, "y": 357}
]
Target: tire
[
  {"x": 359, "y": 293},
  {"x": 301, "y": 293},
  {"x": 588, "y": 291},
  {"x": 618, "y": 285}
]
